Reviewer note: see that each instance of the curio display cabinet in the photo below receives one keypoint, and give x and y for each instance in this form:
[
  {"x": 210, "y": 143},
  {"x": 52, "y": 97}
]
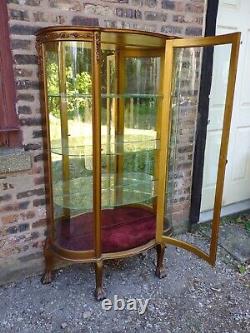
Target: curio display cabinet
[{"x": 111, "y": 101}]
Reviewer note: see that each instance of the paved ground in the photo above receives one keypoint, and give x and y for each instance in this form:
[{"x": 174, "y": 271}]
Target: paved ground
[
  {"x": 192, "y": 298},
  {"x": 234, "y": 235}
]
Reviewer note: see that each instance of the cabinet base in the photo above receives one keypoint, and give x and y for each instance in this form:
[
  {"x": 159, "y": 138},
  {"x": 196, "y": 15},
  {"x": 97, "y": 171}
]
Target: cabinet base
[
  {"x": 100, "y": 294},
  {"x": 53, "y": 251}
]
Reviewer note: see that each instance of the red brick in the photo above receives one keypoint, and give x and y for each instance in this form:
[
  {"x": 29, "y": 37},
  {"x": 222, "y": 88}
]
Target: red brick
[
  {"x": 12, "y": 218},
  {"x": 39, "y": 180},
  {"x": 39, "y": 223}
]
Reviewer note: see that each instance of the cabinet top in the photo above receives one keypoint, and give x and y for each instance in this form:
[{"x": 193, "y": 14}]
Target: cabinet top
[{"x": 107, "y": 35}]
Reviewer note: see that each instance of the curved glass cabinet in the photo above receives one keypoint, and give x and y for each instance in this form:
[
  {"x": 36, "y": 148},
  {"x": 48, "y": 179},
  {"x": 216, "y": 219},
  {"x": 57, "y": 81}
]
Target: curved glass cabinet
[{"x": 107, "y": 106}]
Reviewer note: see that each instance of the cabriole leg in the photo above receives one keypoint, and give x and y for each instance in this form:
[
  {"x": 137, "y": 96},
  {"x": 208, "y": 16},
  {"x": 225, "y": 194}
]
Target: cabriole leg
[
  {"x": 160, "y": 271},
  {"x": 99, "y": 292},
  {"x": 49, "y": 264}
]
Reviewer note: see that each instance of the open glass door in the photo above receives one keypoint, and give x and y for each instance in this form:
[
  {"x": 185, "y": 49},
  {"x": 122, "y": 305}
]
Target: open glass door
[{"x": 183, "y": 72}]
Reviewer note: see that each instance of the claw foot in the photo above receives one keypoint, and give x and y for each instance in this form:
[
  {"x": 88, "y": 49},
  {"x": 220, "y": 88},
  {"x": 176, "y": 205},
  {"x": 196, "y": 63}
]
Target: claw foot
[
  {"x": 47, "y": 278},
  {"x": 100, "y": 294},
  {"x": 161, "y": 273}
]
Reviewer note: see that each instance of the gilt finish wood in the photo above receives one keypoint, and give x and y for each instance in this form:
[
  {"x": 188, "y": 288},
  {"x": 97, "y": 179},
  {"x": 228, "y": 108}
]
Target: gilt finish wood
[
  {"x": 158, "y": 127},
  {"x": 52, "y": 36},
  {"x": 119, "y": 126},
  {"x": 96, "y": 137},
  {"x": 224, "y": 145},
  {"x": 164, "y": 140},
  {"x": 123, "y": 37},
  {"x": 64, "y": 132},
  {"x": 110, "y": 105}
]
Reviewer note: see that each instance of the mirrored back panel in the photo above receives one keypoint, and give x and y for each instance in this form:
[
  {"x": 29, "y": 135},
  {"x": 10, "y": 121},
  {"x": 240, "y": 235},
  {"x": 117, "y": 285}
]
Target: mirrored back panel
[{"x": 131, "y": 96}]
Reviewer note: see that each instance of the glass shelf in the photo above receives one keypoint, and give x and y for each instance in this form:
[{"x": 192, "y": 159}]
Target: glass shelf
[
  {"x": 132, "y": 188},
  {"x": 107, "y": 95},
  {"x": 117, "y": 148}
]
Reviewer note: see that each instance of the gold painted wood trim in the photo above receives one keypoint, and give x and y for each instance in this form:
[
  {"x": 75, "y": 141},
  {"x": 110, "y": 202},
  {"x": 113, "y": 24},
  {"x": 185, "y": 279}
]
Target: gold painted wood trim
[
  {"x": 143, "y": 53},
  {"x": 186, "y": 246},
  {"x": 165, "y": 130},
  {"x": 130, "y": 252},
  {"x": 109, "y": 104},
  {"x": 206, "y": 41},
  {"x": 72, "y": 256},
  {"x": 52, "y": 36},
  {"x": 96, "y": 137},
  {"x": 158, "y": 125},
  {"x": 89, "y": 256},
  {"x": 64, "y": 128},
  {"x": 119, "y": 126},
  {"x": 76, "y": 29},
  {"x": 224, "y": 146},
  {"x": 141, "y": 205}
]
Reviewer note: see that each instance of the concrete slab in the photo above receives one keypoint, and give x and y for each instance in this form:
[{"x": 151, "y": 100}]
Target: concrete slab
[{"x": 234, "y": 235}]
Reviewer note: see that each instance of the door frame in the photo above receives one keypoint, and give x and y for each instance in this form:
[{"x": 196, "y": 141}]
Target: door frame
[{"x": 234, "y": 40}]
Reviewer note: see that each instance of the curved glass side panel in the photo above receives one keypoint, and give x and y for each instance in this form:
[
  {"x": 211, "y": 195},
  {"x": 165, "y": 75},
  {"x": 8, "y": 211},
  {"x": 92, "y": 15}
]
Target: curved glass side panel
[{"x": 69, "y": 89}]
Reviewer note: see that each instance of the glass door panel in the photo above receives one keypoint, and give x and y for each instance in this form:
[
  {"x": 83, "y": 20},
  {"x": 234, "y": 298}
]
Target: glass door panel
[
  {"x": 69, "y": 89},
  {"x": 179, "y": 120},
  {"x": 129, "y": 144}
]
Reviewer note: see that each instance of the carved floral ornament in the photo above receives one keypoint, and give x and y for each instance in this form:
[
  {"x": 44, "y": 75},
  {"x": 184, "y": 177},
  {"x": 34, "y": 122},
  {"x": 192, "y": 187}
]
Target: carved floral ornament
[
  {"x": 39, "y": 52},
  {"x": 98, "y": 46},
  {"x": 65, "y": 35}
]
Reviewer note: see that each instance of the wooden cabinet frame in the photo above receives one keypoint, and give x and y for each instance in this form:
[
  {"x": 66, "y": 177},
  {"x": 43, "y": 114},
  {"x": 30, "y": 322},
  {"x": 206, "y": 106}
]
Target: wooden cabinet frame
[{"x": 156, "y": 44}]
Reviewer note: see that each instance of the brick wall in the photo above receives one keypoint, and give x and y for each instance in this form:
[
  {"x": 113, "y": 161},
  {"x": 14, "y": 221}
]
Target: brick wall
[
  {"x": 187, "y": 69},
  {"x": 22, "y": 204}
]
